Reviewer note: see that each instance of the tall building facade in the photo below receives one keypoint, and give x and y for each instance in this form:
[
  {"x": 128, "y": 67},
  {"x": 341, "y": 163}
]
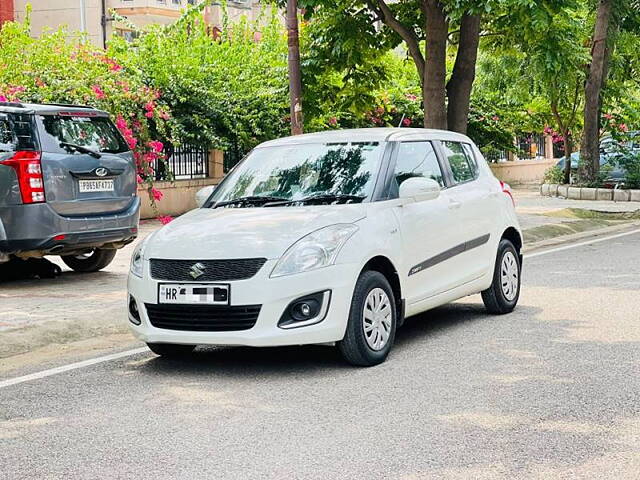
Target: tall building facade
[{"x": 94, "y": 16}]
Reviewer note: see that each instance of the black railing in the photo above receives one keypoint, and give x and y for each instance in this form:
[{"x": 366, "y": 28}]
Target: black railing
[
  {"x": 184, "y": 162},
  {"x": 531, "y": 146}
]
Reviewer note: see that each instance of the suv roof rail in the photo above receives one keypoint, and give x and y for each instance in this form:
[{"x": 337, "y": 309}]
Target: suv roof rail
[
  {"x": 12, "y": 104},
  {"x": 68, "y": 105}
]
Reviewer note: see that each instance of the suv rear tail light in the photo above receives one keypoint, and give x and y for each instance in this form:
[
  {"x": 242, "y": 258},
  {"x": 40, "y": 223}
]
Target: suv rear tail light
[
  {"x": 507, "y": 189},
  {"x": 29, "y": 171}
]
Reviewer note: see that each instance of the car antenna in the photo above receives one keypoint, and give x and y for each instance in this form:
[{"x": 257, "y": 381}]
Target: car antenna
[{"x": 401, "y": 120}]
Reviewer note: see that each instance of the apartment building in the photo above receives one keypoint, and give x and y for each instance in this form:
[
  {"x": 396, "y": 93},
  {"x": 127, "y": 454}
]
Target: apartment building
[{"x": 94, "y": 17}]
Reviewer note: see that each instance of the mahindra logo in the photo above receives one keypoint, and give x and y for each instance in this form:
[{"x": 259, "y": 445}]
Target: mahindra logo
[
  {"x": 101, "y": 172},
  {"x": 197, "y": 270}
]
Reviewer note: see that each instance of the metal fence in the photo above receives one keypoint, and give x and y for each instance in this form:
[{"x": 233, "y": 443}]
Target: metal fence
[
  {"x": 531, "y": 146},
  {"x": 527, "y": 147},
  {"x": 184, "y": 162}
]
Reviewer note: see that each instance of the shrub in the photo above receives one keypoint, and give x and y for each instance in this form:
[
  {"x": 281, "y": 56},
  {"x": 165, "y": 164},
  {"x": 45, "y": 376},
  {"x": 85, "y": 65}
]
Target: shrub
[{"x": 554, "y": 175}]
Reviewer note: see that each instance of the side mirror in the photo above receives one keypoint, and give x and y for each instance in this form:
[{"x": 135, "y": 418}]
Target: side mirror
[
  {"x": 203, "y": 194},
  {"x": 419, "y": 189}
]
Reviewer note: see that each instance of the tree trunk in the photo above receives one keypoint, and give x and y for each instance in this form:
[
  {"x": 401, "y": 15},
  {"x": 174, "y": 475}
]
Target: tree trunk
[
  {"x": 568, "y": 150},
  {"x": 295, "y": 82},
  {"x": 435, "y": 71},
  {"x": 464, "y": 73},
  {"x": 590, "y": 147}
]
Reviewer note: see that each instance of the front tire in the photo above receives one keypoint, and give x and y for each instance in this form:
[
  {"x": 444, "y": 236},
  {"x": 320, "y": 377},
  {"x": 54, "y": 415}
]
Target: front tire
[
  {"x": 371, "y": 328},
  {"x": 503, "y": 294},
  {"x": 171, "y": 350},
  {"x": 93, "y": 261}
]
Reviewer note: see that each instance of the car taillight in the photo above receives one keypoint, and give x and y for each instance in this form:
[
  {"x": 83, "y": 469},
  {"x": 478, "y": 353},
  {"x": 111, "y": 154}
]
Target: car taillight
[
  {"x": 29, "y": 171},
  {"x": 507, "y": 189}
]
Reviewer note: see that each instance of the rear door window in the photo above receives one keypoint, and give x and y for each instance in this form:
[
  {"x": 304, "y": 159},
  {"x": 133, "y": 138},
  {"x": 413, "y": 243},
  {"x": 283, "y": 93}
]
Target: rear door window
[
  {"x": 463, "y": 165},
  {"x": 96, "y": 133}
]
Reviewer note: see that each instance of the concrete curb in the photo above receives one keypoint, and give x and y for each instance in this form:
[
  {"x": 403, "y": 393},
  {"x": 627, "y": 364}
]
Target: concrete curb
[
  {"x": 574, "y": 237},
  {"x": 585, "y": 193}
]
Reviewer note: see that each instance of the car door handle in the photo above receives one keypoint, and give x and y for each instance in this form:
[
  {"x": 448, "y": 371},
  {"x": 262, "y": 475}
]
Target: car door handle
[{"x": 454, "y": 205}]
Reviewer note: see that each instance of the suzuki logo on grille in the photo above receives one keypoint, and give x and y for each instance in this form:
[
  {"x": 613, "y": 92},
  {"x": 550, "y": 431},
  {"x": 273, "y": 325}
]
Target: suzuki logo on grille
[
  {"x": 197, "y": 270},
  {"x": 101, "y": 172}
]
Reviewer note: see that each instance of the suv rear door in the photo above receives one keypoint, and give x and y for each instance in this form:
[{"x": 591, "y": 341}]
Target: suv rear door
[{"x": 87, "y": 166}]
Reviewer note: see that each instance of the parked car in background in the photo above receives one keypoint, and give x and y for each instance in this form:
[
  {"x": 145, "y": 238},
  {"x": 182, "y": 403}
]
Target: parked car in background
[
  {"x": 610, "y": 152},
  {"x": 330, "y": 237},
  {"x": 67, "y": 185}
]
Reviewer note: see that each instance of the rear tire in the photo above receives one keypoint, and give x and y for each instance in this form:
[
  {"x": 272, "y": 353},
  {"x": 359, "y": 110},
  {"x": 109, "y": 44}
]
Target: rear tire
[
  {"x": 371, "y": 328},
  {"x": 93, "y": 262},
  {"x": 171, "y": 350},
  {"x": 502, "y": 296}
]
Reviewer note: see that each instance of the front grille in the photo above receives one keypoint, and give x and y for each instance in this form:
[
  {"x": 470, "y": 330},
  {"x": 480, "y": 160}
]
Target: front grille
[
  {"x": 213, "y": 271},
  {"x": 203, "y": 318}
]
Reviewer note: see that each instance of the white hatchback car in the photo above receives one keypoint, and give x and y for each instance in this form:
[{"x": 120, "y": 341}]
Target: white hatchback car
[{"x": 330, "y": 237}]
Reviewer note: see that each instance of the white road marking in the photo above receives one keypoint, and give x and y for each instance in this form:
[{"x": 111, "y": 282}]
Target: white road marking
[
  {"x": 580, "y": 244},
  {"x": 136, "y": 351},
  {"x": 71, "y": 366}
]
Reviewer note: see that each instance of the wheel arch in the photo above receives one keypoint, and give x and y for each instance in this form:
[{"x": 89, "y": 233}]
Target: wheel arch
[
  {"x": 385, "y": 266},
  {"x": 514, "y": 236}
]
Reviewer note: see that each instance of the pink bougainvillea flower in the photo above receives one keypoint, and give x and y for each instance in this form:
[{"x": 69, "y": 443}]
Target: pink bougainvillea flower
[
  {"x": 164, "y": 219},
  {"x": 156, "y": 146},
  {"x": 623, "y": 127},
  {"x": 157, "y": 194},
  {"x": 165, "y": 115},
  {"x": 148, "y": 114},
  {"x": 98, "y": 92},
  {"x": 406, "y": 122},
  {"x": 121, "y": 123},
  {"x": 333, "y": 121},
  {"x": 3, "y": 98},
  {"x": 411, "y": 97},
  {"x": 495, "y": 118},
  {"x": 150, "y": 157},
  {"x": 608, "y": 116},
  {"x": 131, "y": 141},
  {"x": 139, "y": 179}
]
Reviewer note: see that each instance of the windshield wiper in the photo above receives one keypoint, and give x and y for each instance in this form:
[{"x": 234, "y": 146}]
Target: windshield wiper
[
  {"x": 250, "y": 200},
  {"x": 81, "y": 149},
  {"x": 321, "y": 198}
]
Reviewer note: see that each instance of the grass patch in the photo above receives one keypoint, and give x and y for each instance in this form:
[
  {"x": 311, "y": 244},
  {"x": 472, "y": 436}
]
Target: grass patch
[
  {"x": 545, "y": 232},
  {"x": 593, "y": 214}
]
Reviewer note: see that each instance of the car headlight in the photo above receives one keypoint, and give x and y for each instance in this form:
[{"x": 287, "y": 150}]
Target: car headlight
[
  {"x": 137, "y": 259},
  {"x": 316, "y": 250}
]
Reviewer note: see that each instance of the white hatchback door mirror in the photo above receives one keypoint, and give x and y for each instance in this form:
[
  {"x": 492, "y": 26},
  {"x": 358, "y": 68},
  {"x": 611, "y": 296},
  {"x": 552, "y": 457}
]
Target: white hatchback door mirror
[
  {"x": 419, "y": 189},
  {"x": 203, "y": 194}
]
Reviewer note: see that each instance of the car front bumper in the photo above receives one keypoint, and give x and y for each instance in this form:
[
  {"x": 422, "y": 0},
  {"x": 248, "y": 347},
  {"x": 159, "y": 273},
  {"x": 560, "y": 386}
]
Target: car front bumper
[{"x": 273, "y": 294}]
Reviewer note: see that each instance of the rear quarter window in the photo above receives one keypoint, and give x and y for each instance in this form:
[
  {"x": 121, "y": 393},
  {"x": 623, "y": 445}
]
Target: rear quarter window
[{"x": 17, "y": 132}]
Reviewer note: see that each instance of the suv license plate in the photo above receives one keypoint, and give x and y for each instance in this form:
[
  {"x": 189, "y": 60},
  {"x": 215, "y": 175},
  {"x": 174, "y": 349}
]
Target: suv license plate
[
  {"x": 96, "y": 186},
  {"x": 193, "y": 293}
]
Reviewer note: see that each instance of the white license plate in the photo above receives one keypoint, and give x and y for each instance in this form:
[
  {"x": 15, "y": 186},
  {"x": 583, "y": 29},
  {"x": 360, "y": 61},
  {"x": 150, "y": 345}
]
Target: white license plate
[
  {"x": 96, "y": 186},
  {"x": 193, "y": 293}
]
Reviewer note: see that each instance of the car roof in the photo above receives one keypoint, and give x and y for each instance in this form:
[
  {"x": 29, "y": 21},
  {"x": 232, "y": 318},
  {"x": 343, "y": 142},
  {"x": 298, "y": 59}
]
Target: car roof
[
  {"x": 44, "y": 108},
  {"x": 368, "y": 135}
]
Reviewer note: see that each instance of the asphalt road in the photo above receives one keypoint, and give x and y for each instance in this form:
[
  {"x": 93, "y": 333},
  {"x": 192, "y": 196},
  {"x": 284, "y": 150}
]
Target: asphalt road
[{"x": 549, "y": 391}]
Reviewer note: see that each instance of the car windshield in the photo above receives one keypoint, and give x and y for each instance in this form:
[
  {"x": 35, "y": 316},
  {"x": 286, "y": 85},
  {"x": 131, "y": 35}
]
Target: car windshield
[{"x": 333, "y": 172}]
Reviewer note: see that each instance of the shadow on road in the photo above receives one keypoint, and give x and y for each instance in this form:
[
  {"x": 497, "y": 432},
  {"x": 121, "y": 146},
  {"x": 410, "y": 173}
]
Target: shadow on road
[{"x": 279, "y": 361}]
